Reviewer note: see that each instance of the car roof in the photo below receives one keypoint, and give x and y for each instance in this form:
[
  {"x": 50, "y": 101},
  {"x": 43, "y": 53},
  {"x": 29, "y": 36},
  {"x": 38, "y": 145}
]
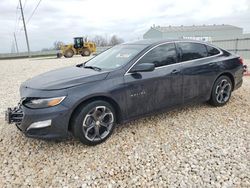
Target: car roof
[{"x": 150, "y": 42}]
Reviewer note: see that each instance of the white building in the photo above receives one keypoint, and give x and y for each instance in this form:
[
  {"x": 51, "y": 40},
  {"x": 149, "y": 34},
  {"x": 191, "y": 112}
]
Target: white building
[{"x": 199, "y": 32}]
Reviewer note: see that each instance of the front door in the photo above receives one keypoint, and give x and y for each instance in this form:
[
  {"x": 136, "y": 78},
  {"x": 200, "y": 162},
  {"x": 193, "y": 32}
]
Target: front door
[{"x": 161, "y": 88}]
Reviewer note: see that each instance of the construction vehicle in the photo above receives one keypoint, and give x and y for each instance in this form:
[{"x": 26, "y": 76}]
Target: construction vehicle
[{"x": 80, "y": 47}]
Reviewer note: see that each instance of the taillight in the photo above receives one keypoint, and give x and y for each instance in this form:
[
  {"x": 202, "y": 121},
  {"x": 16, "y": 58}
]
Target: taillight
[{"x": 241, "y": 61}]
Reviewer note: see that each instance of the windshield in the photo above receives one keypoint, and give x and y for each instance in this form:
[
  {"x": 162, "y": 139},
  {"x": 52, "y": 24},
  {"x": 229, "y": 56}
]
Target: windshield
[{"x": 115, "y": 57}]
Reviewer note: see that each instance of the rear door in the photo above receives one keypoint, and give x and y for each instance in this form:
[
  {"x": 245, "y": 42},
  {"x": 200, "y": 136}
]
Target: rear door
[
  {"x": 161, "y": 88},
  {"x": 199, "y": 67}
]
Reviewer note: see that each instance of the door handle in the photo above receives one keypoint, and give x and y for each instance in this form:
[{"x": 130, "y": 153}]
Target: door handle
[{"x": 175, "y": 71}]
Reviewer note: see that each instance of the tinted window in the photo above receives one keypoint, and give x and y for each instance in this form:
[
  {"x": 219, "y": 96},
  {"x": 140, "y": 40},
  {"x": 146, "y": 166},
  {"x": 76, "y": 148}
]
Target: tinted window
[
  {"x": 161, "y": 55},
  {"x": 190, "y": 51},
  {"x": 212, "y": 51}
]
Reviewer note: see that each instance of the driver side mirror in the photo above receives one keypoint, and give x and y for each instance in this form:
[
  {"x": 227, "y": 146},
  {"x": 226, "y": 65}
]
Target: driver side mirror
[{"x": 144, "y": 67}]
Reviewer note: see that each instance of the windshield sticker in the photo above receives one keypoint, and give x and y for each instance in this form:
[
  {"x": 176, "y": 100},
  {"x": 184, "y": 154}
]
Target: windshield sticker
[{"x": 123, "y": 55}]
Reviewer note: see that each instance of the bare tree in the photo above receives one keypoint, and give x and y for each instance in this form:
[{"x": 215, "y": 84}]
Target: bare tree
[
  {"x": 46, "y": 49},
  {"x": 57, "y": 45},
  {"x": 100, "y": 40},
  {"x": 115, "y": 40}
]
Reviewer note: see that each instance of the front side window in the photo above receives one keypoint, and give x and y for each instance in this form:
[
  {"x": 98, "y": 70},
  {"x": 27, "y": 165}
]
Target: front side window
[
  {"x": 190, "y": 51},
  {"x": 161, "y": 55}
]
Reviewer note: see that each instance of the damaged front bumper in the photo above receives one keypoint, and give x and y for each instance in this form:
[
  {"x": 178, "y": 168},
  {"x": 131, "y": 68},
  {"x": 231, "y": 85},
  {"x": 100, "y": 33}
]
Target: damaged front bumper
[
  {"x": 50, "y": 123},
  {"x": 245, "y": 68},
  {"x": 14, "y": 115}
]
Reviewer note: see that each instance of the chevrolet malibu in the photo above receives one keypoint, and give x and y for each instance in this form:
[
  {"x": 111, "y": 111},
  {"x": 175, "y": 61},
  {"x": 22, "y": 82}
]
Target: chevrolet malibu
[{"x": 123, "y": 83}]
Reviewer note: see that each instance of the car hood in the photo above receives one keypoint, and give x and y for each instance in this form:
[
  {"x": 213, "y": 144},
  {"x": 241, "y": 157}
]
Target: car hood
[{"x": 64, "y": 78}]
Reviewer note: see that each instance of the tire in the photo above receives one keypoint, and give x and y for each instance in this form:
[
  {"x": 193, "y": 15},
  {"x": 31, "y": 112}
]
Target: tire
[
  {"x": 59, "y": 55},
  {"x": 90, "y": 119},
  {"x": 221, "y": 92},
  {"x": 68, "y": 54},
  {"x": 85, "y": 52}
]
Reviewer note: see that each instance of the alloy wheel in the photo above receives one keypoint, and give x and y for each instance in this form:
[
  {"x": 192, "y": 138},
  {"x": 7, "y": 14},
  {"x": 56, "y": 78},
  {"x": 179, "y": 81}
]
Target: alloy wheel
[
  {"x": 98, "y": 123},
  {"x": 223, "y": 91}
]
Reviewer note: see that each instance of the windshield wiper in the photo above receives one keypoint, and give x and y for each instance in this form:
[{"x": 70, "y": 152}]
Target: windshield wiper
[
  {"x": 79, "y": 65},
  {"x": 93, "y": 67}
]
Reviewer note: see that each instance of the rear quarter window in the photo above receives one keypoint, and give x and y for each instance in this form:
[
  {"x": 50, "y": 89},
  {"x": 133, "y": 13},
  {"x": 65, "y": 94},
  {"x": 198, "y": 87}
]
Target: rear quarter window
[
  {"x": 212, "y": 51},
  {"x": 190, "y": 51}
]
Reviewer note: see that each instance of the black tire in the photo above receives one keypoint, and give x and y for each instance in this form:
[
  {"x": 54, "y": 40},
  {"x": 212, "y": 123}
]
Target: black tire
[
  {"x": 59, "y": 55},
  {"x": 85, "y": 52},
  {"x": 68, "y": 54},
  {"x": 217, "y": 90},
  {"x": 83, "y": 132}
]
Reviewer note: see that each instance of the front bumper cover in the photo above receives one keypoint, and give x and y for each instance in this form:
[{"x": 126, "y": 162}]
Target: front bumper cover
[
  {"x": 14, "y": 115},
  {"x": 23, "y": 117},
  {"x": 245, "y": 68}
]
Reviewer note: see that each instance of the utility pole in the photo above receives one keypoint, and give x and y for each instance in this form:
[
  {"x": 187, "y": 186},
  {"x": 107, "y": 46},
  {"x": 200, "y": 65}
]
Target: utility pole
[
  {"x": 16, "y": 43},
  {"x": 24, "y": 26}
]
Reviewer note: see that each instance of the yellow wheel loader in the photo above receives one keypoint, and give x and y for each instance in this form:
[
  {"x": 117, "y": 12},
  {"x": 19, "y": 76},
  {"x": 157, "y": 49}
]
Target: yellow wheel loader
[{"x": 80, "y": 47}]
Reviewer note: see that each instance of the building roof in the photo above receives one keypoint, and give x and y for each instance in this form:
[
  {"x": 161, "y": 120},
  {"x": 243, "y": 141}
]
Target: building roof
[{"x": 194, "y": 28}]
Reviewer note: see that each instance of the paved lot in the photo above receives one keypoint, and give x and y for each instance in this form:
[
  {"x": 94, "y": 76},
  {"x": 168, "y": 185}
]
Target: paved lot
[{"x": 194, "y": 146}]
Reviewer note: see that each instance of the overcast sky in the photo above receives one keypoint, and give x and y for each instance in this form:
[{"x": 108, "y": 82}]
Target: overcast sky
[{"x": 64, "y": 19}]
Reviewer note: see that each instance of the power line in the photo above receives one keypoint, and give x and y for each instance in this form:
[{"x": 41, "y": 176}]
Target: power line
[
  {"x": 24, "y": 4},
  {"x": 24, "y": 26},
  {"x": 16, "y": 25},
  {"x": 12, "y": 49},
  {"x": 24, "y": 22},
  {"x": 16, "y": 20},
  {"x": 34, "y": 11},
  {"x": 16, "y": 43}
]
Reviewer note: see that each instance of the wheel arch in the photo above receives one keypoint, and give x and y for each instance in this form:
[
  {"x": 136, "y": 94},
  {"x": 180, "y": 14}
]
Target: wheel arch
[
  {"x": 230, "y": 75},
  {"x": 94, "y": 98}
]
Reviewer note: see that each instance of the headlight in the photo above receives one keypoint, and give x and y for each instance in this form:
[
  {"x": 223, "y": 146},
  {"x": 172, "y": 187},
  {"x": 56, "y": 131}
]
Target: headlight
[{"x": 42, "y": 102}]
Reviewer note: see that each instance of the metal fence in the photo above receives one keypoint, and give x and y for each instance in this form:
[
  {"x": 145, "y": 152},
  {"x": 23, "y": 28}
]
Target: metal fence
[
  {"x": 44, "y": 53},
  {"x": 240, "y": 46}
]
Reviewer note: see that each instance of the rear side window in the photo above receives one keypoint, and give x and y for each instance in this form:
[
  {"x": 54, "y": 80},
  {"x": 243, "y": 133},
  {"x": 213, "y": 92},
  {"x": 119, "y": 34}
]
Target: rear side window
[
  {"x": 212, "y": 51},
  {"x": 162, "y": 55},
  {"x": 189, "y": 51}
]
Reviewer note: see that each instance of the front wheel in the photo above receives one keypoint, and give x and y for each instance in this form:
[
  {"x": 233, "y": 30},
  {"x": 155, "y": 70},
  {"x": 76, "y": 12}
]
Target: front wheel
[
  {"x": 85, "y": 52},
  {"x": 221, "y": 91},
  {"x": 94, "y": 122},
  {"x": 69, "y": 53}
]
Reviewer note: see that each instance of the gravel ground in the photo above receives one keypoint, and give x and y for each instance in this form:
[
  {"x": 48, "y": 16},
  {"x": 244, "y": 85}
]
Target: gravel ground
[{"x": 194, "y": 146}]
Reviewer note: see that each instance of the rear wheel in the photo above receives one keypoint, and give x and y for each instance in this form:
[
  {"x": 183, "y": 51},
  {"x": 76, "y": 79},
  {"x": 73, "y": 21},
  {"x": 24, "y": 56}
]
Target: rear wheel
[
  {"x": 221, "y": 91},
  {"x": 85, "y": 52},
  {"x": 94, "y": 122},
  {"x": 68, "y": 54}
]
